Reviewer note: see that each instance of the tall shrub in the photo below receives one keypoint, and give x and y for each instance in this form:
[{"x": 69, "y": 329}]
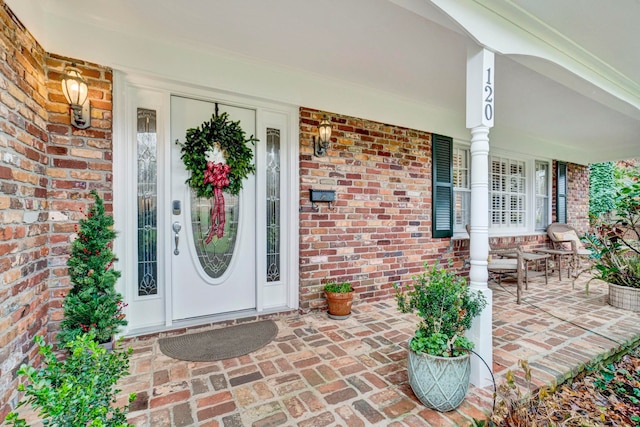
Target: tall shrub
[
  {"x": 93, "y": 304},
  {"x": 615, "y": 242},
  {"x": 602, "y": 188}
]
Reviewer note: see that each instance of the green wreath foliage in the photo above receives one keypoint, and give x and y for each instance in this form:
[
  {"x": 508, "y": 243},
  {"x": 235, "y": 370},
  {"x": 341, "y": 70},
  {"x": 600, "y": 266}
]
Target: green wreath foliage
[{"x": 232, "y": 140}]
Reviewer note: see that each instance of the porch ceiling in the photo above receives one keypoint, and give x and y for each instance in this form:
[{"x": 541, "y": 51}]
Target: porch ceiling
[{"x": 567, "y": 73}]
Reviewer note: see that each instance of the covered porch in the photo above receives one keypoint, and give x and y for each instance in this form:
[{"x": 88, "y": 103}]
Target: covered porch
[
  {"x": 392, "y": 74},
  {"x": 321, "y": 372}
]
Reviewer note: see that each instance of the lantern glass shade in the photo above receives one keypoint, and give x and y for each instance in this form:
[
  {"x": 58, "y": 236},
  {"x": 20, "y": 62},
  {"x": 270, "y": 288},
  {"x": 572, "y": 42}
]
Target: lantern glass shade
[
  {"x": 324, "y": 130},
  {"x": 74, "y": 86}
]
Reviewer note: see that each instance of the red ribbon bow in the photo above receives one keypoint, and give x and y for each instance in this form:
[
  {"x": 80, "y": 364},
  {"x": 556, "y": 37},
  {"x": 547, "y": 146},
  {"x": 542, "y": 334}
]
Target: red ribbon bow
[{"x": 216, "y": 175}]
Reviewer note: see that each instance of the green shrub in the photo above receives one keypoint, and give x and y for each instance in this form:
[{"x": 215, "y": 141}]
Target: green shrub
[
  {"x": 446, "y": 306},
  {"x": 76, "y": 391},
  {"x": 341, "y": 288},
  {"x": 602, "y": 188},
  {"x": 615, "y": 243}
]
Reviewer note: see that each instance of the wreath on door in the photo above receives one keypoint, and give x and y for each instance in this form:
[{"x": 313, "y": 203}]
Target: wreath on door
[{"x": 218, "y": 156}]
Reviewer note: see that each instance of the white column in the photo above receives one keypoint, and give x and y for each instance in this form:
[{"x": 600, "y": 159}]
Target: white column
[{"x": 480, "y": 98}]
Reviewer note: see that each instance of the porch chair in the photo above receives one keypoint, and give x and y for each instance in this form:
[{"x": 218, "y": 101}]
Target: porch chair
[
  {"x": 505, "y": 260},
  {"x": 566, "y": 242}
]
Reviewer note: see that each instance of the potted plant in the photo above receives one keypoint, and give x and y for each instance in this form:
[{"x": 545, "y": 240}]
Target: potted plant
[
  {"x": 438, "y": 356},
  {"x": 339, "y": 299},
  {"x": 93, "y": 304},
  {"x": 615, "y": 249}
]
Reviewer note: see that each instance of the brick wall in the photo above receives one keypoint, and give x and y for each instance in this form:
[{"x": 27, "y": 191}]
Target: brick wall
[
  {"x": 378, "y": 231},
  {"x": 577, "y": 196},
  {"x": 24, "y": 229},
  {"x": 47, "y": 169},
  {"x": 80, "y": 160}
]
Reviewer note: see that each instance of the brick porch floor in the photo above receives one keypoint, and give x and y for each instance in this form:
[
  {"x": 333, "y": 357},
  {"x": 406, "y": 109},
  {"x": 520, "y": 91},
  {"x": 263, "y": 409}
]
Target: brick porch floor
[{"x": 321, "y": 372}]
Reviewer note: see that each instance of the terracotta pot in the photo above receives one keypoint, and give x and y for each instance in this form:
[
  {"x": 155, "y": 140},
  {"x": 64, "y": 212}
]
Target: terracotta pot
[{"x": 339, "y": 304}]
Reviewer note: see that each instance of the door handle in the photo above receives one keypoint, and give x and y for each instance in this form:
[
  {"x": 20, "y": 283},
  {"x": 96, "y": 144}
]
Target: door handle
[{"x": 176, "y": 236}]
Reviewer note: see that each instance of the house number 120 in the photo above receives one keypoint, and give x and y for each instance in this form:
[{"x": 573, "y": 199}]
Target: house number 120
[{"x": 488, "y": 99}]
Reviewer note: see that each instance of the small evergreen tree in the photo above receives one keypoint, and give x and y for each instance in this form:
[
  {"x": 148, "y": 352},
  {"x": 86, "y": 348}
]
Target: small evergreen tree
[{"x": 93, "y": 304}]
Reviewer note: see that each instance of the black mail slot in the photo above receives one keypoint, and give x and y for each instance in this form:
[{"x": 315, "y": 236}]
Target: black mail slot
[{"x": 322, "y": 195}]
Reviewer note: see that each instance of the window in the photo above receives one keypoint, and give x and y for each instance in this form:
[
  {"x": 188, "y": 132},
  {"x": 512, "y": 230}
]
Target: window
[
  {"x": 519, "y": 193},
  {"x": 542, "y": 195},
  {"x": 273, "y": 205},
  {"x": 147, "y": 198},
  {"x": 561, "y": 192},
  {"x": 461, "y": 188},
  {"x": 507, "y": 193}
]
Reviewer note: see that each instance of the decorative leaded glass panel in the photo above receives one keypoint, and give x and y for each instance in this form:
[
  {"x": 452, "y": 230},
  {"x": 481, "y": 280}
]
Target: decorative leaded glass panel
[
  {"x": 215, "y": 256},
  {"x": 147, "y": 203},
  {"x": 273, "y": 205},
  {"x": 542, "y": 195}
]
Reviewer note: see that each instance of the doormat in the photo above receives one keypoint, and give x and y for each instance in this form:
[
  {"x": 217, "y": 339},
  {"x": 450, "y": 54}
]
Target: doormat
[{"x": 218, "y": 344}]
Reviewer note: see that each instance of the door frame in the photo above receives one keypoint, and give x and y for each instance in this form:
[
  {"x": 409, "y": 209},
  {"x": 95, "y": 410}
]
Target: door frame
[{"x": 127, "y": 88}]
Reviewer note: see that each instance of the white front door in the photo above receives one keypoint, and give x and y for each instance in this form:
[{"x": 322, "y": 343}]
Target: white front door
[
  {"x": 254, "y": 267},
  {"x": 218, "y": 277}
]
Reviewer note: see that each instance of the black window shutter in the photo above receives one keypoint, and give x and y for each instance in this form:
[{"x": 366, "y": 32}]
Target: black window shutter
[
  {"x": 442, "y": 218},
  {"x": 561, "y": 192}
]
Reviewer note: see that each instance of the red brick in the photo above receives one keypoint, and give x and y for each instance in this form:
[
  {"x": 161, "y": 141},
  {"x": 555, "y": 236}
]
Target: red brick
[
  {"x": 216, "y": 411},
  {"x": 69, "y": 164},
  {"x": 324, "y": 419},
  {"x": 214, "y": 399},
  {"x": 399, "y": 408},
  {"x": 340, "y": 396},
  {"x": 307, "y": 362},
  {"x": 267, "y": 368},
  {"x": 172, "y": 398},
  {"x": 277, "y": 419},
  {"x": 367, "y": 411},
  {"x": 294, "y": 406},
  {"x": 331, "y": 387},
  {"x": 350, "y": 418},
  {"x": 312, "y": 377},
  {"x": 5, "y": 172}
]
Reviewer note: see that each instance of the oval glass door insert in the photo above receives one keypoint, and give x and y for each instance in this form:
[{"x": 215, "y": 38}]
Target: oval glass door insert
[{"x": 215, "y": 256}]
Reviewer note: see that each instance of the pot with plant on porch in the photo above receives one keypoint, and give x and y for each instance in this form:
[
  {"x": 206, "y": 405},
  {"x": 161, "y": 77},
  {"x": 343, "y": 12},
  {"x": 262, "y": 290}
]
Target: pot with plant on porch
[
  {"x": 439, "y": 357},
  {"x": 615, "y": 249},
  {"x": 93, "y": 304},
  {"x": 339, "y": 299}
]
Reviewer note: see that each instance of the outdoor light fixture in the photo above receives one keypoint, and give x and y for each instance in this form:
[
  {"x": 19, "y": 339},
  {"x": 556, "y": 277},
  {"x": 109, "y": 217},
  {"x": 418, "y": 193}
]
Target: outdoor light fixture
[
  {"x": 75, "y": 90},
  {"x": 321, "y": 143}
]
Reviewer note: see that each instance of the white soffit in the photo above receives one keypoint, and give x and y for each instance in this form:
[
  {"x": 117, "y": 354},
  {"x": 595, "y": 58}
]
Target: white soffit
[{"x": 559, "y": 92}]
